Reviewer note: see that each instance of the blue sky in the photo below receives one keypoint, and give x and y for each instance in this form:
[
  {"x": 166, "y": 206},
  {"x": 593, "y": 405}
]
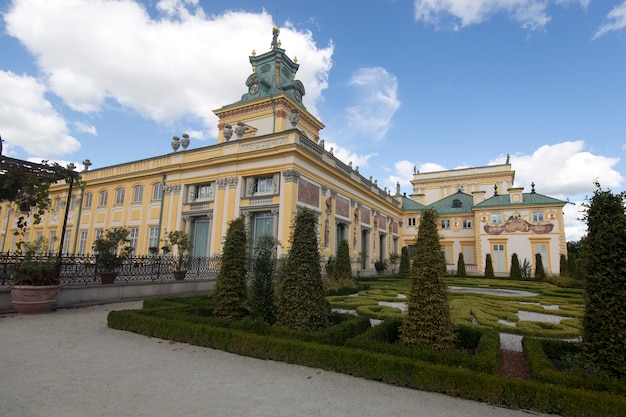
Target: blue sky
[{"x": 431, "y": 84}]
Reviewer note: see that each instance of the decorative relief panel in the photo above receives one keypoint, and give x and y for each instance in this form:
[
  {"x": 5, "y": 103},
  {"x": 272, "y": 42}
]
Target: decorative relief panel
[
  {"x": 262, "y": 145},
  {"x": 308, "y": 193},
  {"x": 232, "y": 182},
  {"x": 342, "y": 207},
  {"x": 365, "y": 215},
  {"x": 382, "y": 223},
  {"x": 172, "y": 189},
  {"x": 221, "y": 183}
]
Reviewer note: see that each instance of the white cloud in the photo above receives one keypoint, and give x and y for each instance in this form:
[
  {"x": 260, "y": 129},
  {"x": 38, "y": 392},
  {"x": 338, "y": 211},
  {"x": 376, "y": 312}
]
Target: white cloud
[
  {"x": 530, "y": 14},
  {"x": 97, "y": 52},
  {"x": 564, "y": 170},
  {"x": 28, "y": 119},
  {"x": 376, "y": 95},
  {"x": 346, "y": 156},
  {"x": 617, "y": 21},
  {"x": 85, "y": 128}
]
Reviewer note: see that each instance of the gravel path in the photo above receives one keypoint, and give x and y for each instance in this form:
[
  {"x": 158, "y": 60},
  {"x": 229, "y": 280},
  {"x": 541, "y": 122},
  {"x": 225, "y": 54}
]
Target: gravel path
[{"x": 69, "y": 363}]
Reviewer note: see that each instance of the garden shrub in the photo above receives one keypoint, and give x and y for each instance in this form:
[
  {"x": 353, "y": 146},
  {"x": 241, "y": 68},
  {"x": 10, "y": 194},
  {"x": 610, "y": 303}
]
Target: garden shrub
[
  {"x": 460, "y": 266},
  {"x": 300, "y": 302},
  {"x": 231, "y": 292},
  {"x": 489, "y": 267},
  {"x": 516, "y": 272},
  {"x": 405, "y": 263},
  {"x": 262, "y": 298}
]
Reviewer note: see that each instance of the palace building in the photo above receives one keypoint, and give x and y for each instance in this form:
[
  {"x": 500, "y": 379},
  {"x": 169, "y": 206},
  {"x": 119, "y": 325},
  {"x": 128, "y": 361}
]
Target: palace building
[{"x": 269, "y": 161}]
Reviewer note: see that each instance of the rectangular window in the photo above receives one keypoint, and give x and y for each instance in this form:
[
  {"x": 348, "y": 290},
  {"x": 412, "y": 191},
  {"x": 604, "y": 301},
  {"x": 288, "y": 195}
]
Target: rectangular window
[
  {"x": 496, "y": 218},
  {"x": 153, "y": 237},
  {"x": 103, "y": 199},
  {"x": 87, "y": 199},
  {"x": 157, "y": 191},
  {"x": 262, "y": 224},
  {"x": 66, "y": 241},
  {"x": 133, "y": 237},
  {"x": 538, "y": 216},
  {"x": 58, "y": 204},
  {"x": 82, "y": 242},
  {"x": 411, "y": 221},
  {"x": 205, "y": 192},
  {"x": 119, "y": 196},
  {"x": 445, "y": 224},
  {"x": 138, "y": 194},
  {"x": 52, "y": 241},
  {"x": 467, "y": 224}
]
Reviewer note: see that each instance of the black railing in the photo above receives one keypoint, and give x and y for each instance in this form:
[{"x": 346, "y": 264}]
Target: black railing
[{"x": 83, "y": 269}]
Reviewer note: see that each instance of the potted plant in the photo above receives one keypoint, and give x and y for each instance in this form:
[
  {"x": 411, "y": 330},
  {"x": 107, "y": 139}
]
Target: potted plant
[
  {"x": 393, "y": 259},
  {"x": 380, "y": 266},
  {"x": 182, "y": 242},
  {"x": 111, "y": 250},
  {"x": 35, "y": 286}
]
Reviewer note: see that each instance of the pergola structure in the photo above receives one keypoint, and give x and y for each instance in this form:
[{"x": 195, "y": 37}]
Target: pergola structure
[{"x": 11, "y": 189}]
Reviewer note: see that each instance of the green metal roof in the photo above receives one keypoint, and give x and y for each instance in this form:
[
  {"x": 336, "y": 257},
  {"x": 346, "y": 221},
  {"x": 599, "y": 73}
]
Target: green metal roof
[
  {"x": 411, "y": 205},
  {"x": 527, "y": 199},
  {"x": 456, "y": 203}
]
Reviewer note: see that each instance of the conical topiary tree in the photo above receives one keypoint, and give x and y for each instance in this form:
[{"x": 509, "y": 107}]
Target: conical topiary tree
[
  {"x": 262, "y": 291},
  {"x": 563, "y": 265},
  {"x": 427, "y": 323},
  {"x": 540, "y": 273},
  {"x": 603, "y": 252},
  {"x": 405, "y": 263},
  {"x": 230, "y": 287},
  {"x": 460, "y": 266},
  {"x": 516, "y": 272},
  {"x": 489, "y": 267},
  {"x": 300, "y": 301},
  {"x": 342, "y": 269}
]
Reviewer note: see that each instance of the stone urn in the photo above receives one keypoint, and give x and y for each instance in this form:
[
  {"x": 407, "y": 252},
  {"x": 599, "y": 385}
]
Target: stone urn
[
  {"x": 108, "y": 277},
  {"x": 34, "y": 299},
  {"x": 179, "y": 275}
]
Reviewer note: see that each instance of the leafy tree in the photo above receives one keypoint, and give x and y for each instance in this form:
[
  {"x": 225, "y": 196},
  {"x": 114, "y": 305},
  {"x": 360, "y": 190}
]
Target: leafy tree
[
  {"x": 262, "y": 297},
  {"x": 405, "y": 263},
  {"x": 540, "y": 272},
  {"x": 342, "y": 269},
  {"x": 489, "y": 267},
  {"x": 230, "y": 287},
  {"x": 460, "y": 266},
  {"x": 300, "y": 301},
  {"x": 604, "y": 255},
  {"x": 428, "y": 322},
  {"x": 516, "y": 272}
]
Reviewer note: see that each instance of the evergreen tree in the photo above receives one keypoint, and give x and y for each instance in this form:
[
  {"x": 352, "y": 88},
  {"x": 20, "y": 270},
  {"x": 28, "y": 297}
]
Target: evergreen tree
[
  {"x": 300, "y": 301},
  {"x": 489, "y": 267},
  {"x": 563, "y": 265},
  {"x": 540, "y": 272},
  {"x": 342, "y": 269},
  {"x": 405, "y": 263},
  {"x": 460, "y": 266},
  {"x": 428, "y": 322},
  {"x": 604, "y": 256},
  {"x": 516, "y": 272},
  {"x": 262, "y": 297},
  {"x": 230, "y": 287}
]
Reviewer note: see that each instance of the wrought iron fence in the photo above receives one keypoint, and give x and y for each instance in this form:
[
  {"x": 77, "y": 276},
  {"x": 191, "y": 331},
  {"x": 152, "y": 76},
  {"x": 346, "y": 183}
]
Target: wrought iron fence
[{"x": 83, "y": 269}]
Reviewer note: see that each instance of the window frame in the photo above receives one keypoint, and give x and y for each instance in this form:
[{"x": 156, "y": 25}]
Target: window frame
[{"x": 138, "y": 194}]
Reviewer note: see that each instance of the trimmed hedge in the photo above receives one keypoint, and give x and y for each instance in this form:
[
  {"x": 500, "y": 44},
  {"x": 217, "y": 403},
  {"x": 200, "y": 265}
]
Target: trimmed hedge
[
  {"x": 540, "y": 353},
  {"x": 389, "y": 368}
]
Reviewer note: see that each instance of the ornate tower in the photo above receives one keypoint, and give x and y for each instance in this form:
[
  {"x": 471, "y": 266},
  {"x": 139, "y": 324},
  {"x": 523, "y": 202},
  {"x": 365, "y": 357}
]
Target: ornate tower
[{"x": 273, "y": 101}]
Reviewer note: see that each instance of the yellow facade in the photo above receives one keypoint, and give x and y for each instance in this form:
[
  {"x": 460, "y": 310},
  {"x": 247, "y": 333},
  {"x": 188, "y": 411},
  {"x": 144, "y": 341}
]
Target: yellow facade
[{"x": 268, "y": 163}]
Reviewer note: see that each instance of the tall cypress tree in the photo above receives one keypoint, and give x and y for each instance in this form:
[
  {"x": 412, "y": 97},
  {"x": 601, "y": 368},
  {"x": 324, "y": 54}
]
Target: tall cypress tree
[
  {"x": 405, "y": 263},
  {"x": 516, "y": 272},
  {"x": 230, "y": 287},
  {"x": 540, "y": 272},
  {"x": 604, "y": 256},
  {"x": 342, "y": 270},
  {"x": 262, "y": 297},
  {"x": 300, "y": 301},
  {"x": 428, "y": 322},
  {"x": 460, "y": 266},
  {"x": 489, "y": 267}
]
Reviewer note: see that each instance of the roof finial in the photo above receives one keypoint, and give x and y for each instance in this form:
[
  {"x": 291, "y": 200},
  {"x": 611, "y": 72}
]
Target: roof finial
[
  {"x": 275, "y": 33},
  {"x": 495, "y": 190},
  {"x": 532, "y": 190}
]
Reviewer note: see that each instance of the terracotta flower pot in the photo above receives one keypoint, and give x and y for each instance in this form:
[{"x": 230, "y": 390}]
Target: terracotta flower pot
[{"x": 34, "y": 299}]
